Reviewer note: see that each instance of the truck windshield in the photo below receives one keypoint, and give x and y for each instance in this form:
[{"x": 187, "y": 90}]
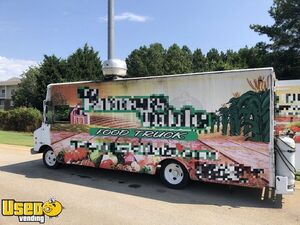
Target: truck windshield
[{"x": 57, "y": 113}]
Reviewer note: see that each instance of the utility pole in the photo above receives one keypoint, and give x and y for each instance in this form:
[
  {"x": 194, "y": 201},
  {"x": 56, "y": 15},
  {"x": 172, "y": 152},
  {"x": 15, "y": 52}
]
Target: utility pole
[
  {"x": 111, "y": 29},
  {"x": 112, "y": 67}
]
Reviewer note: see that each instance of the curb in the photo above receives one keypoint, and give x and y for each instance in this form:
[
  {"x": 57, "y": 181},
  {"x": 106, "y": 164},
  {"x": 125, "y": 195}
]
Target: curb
[{"x": 15, "y": 147}]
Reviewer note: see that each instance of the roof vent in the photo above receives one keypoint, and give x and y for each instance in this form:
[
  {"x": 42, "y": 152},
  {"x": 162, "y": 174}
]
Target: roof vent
[{"x": 114, "y": 67}]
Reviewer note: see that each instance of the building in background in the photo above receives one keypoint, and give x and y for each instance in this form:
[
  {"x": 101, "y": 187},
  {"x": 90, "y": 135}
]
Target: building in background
[
  {"x": 7, "y": 89},
  {"x": 288, "y": 92},
  {"x": 288, "y": 111}
]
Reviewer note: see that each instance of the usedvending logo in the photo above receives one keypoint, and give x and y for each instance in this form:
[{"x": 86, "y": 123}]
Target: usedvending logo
[{"x": 31, "y": 211}]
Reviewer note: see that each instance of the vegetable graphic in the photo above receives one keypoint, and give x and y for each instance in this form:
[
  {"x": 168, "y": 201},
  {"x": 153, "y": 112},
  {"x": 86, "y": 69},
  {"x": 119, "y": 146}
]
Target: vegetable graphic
[
  {"x": 75, "y": 155},
  {"x": 224, "y": 114},
  {"x": 129, "y": 158},
  {"x": 249, "y": 112},
  {"x": 256, "y": 115},
  {"x": 87, "y": 162},
  {"x": 235, "y": 124},
  {"x": 120, "y": 157},
  {"x": 106, "y": 164},
  {"x": 135, "y": 166},
  {"x": 60, "y": 156},
  {"x": 68, "y": 157},
  {"x": 259, "y": 84},
  {"x": 179, "y": 147},
  {"x": 96, "y": 157},
  {"x": 113, "y": 158}
]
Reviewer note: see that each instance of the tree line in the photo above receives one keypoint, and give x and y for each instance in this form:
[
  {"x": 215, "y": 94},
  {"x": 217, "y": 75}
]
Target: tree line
[
  {"x": 83, "y": 64},
  {"x": 155, "y": 60},
  {"x": 282, "y": 53}
]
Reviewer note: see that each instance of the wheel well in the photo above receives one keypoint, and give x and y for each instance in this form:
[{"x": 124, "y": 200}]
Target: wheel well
[
  {"x": 166, "y": 160},
  {"x": 43, "y": 148},
  {"x": 170, "y": 160}
]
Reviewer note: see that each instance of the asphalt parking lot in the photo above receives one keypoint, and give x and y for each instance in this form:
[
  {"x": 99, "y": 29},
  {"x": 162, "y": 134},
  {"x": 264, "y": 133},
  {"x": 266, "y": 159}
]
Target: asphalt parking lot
[{"x": 96, "y": 196}]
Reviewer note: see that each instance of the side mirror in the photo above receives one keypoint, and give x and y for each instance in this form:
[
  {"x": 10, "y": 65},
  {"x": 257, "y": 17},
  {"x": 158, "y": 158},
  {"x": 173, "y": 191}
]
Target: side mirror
[{"x": 47, "y": 113}]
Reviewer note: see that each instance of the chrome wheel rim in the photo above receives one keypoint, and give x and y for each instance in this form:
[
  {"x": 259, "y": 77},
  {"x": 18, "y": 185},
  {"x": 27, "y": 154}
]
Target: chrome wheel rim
[
  {"x": 50, "y": 158},
  {"x": 173, "y": 173}
]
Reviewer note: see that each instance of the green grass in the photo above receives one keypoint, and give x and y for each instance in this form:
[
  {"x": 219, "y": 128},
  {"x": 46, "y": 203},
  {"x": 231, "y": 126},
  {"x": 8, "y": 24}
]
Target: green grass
[
  {"x": 298, "y": 176},
  {"x": 16, "y": 138}
]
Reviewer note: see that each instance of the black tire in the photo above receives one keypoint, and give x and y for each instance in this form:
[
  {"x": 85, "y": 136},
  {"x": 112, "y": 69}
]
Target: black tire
[
  {"x": 177, "y": 181},
  {"x": 277, "y": 202},
  {"x": 50, "y": 159}
]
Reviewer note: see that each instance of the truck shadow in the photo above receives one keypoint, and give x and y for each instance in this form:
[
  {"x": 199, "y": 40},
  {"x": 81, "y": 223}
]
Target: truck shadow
[{"x": 143, "y": 185}]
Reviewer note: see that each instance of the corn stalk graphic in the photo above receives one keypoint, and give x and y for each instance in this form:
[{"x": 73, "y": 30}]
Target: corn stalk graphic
[
  {"x": 249, "y": 113},
  {"x": 223, "y": 114},
  {"x": 259, "y": 84}
]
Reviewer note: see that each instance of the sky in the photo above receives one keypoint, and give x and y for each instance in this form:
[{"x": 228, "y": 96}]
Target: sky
[{"x": 32, "y": 28}]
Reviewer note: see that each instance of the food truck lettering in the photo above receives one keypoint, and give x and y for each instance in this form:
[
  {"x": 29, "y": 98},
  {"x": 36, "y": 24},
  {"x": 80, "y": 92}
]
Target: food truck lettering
[{"x": 153, "y": 111}]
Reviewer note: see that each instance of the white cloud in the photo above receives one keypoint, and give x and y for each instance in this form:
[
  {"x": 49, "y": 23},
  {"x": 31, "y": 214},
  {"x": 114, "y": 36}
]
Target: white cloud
[
  {"x": 13, "y": 67},
  {"x": 129, "y": 17}
]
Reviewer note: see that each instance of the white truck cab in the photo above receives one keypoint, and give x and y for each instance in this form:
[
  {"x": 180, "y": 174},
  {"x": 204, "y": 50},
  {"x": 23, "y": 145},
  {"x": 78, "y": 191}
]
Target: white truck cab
[{"x": 42, "y": 137}]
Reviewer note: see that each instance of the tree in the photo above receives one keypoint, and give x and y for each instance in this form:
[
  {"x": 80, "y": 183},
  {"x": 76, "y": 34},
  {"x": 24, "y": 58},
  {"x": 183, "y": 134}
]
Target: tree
[
  {"x": 136, "y": 64},
  {"x": 26, "y": 93},
  {"x": 188, "y": 59},
  {"x": 254, "y": 57},
  {"x": 285, "y": 32},
  {"x": 199, "y": 61},
  {"x": 146, "y": 61},
  {"x": 214, "y": 60},
  {"x": 285, "y": 37},
  {"x": 232, "y": 59},
  {"x": 178, "y": 60},
  {"x": 52, "y": 70},
  {"x": 84, "y": 64},
  {"x": 155, "y": 59}
]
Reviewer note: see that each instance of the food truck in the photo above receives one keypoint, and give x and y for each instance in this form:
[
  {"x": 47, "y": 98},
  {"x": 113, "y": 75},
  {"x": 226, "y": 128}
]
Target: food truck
[{"x": 213, "y": 127}]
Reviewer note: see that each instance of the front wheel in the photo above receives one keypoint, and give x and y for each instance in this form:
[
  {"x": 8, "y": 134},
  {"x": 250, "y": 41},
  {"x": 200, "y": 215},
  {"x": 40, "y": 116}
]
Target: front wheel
[
  {"x": 50, "y": 159},
  {"x": 174, "y": 175}
]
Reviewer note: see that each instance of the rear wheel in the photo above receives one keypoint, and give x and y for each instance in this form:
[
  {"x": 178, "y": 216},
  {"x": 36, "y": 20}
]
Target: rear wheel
[
  {"x": 174, "y": 175},
  {"x": 50, "y": 159}
]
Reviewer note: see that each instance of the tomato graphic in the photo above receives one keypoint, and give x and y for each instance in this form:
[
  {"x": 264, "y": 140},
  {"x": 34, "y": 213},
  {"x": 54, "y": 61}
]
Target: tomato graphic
[
  {"x": 75, "y": 155},
  {"x": 179, "y": 147},
  {"x": 106, "y": 164},
  {"x": 295, "y": 129},
  {"x": 129, "y": 158},
  {"x": 82, "y": 153},
  {"x": 68, "y": 157}
]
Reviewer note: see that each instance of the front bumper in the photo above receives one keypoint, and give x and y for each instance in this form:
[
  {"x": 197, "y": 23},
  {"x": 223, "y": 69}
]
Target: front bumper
[{"x": 33, "y": 152}]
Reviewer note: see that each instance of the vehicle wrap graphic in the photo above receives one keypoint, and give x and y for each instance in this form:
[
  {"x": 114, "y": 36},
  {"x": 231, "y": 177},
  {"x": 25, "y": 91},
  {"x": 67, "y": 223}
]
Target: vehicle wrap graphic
[{"x": 218, "y": 128}]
